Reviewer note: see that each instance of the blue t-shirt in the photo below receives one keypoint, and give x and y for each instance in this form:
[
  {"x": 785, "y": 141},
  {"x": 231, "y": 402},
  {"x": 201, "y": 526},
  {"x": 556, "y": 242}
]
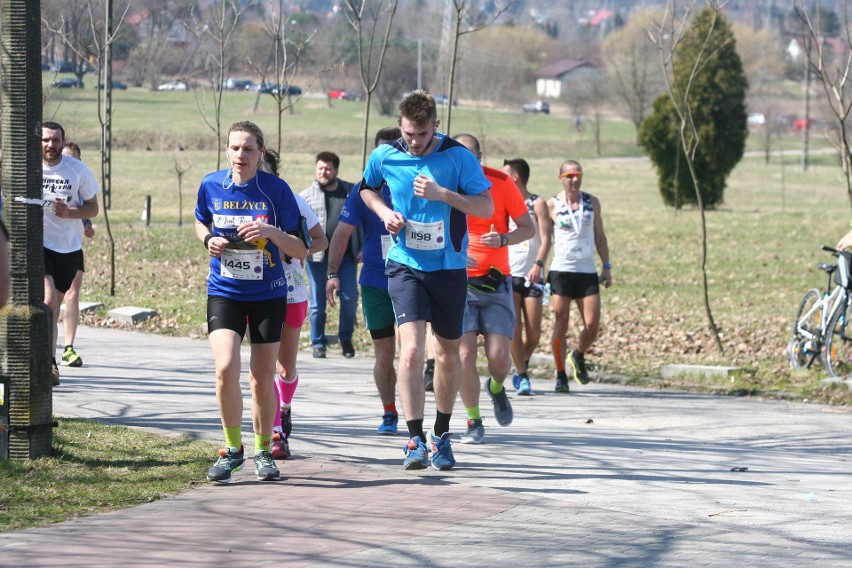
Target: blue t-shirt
[
  {"x": 252, "y": 272},
  {"x": 435, "y": 234},
  {"x": 376, "y": 237}
]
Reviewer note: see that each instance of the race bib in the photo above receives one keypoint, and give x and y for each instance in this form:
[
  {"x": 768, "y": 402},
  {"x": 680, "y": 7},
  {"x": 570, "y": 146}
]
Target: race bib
[
  {"x": 242, "y": 264},
  {"x": 580, "y": 249},
  {"x": 424, "y": 236},
  {"x": 386, "y": 245}
]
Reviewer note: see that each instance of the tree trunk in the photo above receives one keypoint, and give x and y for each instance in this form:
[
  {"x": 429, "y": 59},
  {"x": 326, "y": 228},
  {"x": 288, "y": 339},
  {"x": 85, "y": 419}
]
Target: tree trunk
[{"x": 25, "y": 324}]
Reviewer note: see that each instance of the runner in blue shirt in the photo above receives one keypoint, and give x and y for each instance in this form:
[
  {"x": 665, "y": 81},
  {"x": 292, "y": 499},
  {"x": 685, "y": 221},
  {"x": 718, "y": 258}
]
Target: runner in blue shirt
[
  {"x": 375, "y": 300},
  {"x": 243, "y": 216},
  {"x": 435, "y": 183}
]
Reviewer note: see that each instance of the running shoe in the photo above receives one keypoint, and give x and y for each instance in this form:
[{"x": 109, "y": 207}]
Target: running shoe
[
  {"x": 442, "y": 451},
  {"x": 475, "y": 432},
  {"x": 524, "y": 388},
  {"x": 578, "y": 364},
  {"x": 502, "y": 406},
  {"x": 416, "y": 454},
  {"x": 265, "y": 467},
  {"x": 516, "y": 381},
  {"x": 70, "y": 357},
  {"x": 230, "y": 460},
  {"x": 54, "y": 373},
  {"x": 389, "y": 422},
  {"x": 429, "y": 376},
  {"x": 562, "y": 382},
  {"x": 280, "y": 448},
  {"x": 287, "y": 422}
]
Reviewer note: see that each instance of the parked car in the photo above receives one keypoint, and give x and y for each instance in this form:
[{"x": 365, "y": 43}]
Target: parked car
[
  {"x": 756, "y": 119},
  {"x": 291, "y": 90},
  {"x": 62, "y": 67},
  {"x": 336, "y": 94},
  {"x": 239, "y": 85},
  {"x": 443, "y": 100},
  {"x": 173, "y": 86},
  {"x": 537, "y": 106},
  {"x": 116, "y": 86},
  {"x": 354, "y": 96},
  {"x": 65, "y": 83}
]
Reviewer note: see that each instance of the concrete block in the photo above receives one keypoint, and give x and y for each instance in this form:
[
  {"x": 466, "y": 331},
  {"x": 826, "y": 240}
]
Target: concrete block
[
  {"x": 131, "y": 314},
  {"x": 707, "y": 371}
]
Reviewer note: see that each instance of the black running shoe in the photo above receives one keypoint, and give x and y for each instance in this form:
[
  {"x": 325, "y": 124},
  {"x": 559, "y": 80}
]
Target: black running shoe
[{"x": 578, "y": 364}]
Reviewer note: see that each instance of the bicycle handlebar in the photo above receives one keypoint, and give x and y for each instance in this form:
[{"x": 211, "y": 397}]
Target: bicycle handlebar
[{"x": 832, "y": 250}]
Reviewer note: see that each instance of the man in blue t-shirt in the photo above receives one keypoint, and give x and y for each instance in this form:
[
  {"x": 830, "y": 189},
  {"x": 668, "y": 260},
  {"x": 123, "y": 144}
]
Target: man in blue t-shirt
[
  {"x": 434, "y": 183},
  {"x": 375, "y": 300}
]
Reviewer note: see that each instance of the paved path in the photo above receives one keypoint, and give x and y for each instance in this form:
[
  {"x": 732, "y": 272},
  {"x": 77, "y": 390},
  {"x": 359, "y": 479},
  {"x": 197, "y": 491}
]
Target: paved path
[{"x": 605, "y": 476}]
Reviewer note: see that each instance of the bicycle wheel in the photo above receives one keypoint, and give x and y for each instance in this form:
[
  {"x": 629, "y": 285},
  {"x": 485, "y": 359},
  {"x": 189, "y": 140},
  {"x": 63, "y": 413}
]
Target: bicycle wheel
[
  {"x": 838, "y": 344},
  {"x": 802, "y": 350}
]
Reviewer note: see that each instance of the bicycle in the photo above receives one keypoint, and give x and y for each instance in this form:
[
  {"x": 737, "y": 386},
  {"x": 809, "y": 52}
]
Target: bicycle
[{"x": 820, "y": 326}]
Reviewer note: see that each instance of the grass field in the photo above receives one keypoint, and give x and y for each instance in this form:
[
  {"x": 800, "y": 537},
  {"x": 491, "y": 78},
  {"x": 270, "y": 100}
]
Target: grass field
[{"x": 763, "y": 241}]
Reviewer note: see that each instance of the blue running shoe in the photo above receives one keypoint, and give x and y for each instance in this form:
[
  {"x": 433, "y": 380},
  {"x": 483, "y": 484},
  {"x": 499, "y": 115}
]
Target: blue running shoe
[
  {"x": 516, "y": 381},
  {"x": 524, "y": 388},
  {"x": 442, "y": 451},
  {"x": 416, "y": 454},
  {"x": 389, "y": 422}
]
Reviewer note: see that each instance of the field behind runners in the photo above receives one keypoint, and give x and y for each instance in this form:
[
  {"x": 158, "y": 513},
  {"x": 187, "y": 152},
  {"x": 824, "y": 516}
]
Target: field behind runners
[{"x": 763, "y": 242}]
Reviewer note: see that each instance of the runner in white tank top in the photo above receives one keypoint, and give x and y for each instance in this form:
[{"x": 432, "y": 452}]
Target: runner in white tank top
[
  {"x": 578, "y": 234},
  {"x": 527, "y": 263}
]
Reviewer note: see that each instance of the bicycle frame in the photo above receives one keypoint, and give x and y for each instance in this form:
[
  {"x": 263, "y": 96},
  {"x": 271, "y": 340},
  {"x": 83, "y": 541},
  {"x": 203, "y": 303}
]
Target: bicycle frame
[{"x": 827, "y": 306}]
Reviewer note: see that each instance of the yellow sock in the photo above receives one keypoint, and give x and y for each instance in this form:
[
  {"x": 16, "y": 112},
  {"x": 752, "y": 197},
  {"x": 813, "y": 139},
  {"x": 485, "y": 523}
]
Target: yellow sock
[
  {"x": 495, "y": 387},
  {"x": 262, "y": 443},
  {"x": 233, "y": 436},
  {"x": 473, "y": 413}
]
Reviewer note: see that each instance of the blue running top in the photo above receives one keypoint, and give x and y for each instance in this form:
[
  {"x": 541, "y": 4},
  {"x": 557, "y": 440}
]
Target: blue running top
[
  {"x": 377, "y": 240},
  {"x": 224, "y": 206},
  {"x": 435, "y": 234}
]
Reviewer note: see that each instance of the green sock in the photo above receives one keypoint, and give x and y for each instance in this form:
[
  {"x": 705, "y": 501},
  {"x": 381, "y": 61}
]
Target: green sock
[
  {"x": 233, "y": 437},
  {"x": 495, "y": 387},
  {"x": 473, "y": 413},
  {"x": 261, "y": 443}
]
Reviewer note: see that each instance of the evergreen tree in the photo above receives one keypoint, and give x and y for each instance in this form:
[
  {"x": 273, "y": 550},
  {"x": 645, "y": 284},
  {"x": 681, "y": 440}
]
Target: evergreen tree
[{"x": 715, "y": 97}]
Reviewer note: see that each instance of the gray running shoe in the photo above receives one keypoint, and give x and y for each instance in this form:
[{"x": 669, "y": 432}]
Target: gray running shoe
[
  {"x": 475, "y": 432},
  {"x": 230, "y": 460},
  {"x": 265, "y": 467},
  {"x": 502, "y": 407}
]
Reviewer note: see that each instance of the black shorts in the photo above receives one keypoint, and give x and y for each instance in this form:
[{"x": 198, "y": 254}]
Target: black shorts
[
  {"x": 62, "y": 267},
  {"x": 573, "y": 284},
  {"x": 519, "y": 286},
  {"x": 264, "y": 319},
  {"x": 438, "y": 297}
]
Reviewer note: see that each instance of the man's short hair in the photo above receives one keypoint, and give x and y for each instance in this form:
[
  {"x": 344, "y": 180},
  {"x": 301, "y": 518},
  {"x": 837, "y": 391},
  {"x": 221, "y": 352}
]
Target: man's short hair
[
  {"x": 388, "y": 133},
  {"x": 330, "y": 158},
  {"x": 418, "y": 107},
  {"x": 73, "y": 148},
  {"x": 520, "y": 167},
  {"x": 54, "y": 126}
]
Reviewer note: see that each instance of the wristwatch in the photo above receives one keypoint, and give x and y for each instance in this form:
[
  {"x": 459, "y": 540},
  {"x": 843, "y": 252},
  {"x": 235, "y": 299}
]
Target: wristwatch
[
  {"x": 504, "y": 240},
  {"x": 331, "y": 275},
  {"x": 539, "y": 263}
]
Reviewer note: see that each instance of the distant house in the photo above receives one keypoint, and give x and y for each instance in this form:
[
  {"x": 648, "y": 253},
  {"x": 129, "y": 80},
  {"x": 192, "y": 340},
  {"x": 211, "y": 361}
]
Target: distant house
[{"x": 552, "y": 80}]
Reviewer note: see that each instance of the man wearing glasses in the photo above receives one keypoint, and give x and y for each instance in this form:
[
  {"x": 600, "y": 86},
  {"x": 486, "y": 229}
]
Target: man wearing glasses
[{"x": 578, "y": 232}]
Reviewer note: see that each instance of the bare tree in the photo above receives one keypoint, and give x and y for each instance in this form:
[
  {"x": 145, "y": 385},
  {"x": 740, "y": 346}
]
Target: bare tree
[
  {"x": 628, "y": 54},
  {"x": 835, "y": 77},
  {"x": 369, "y": 62},
  {"x": 288, "y": 45},
  {"x": 219, "y": 25},
  {"x": 668, "y": 35},
  {"x": 465, "y": 24},
  {"x": 95, "y": 46},
  {"x": 180, "y": 168}
]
